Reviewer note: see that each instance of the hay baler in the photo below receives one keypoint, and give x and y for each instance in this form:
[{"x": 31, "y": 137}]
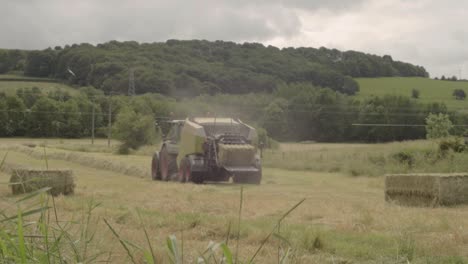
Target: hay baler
[{"x": 208, "y": 149}]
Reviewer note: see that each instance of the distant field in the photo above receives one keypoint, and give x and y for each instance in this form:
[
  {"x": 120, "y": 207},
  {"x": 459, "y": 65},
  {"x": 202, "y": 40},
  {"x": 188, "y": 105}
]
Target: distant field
[
  {"x": 10, "y": 83},
  {"x": 430, "y": 90}
]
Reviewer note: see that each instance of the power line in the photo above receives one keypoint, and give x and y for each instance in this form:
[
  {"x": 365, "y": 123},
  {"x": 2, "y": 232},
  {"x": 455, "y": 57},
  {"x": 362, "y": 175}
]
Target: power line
[{"x": 397, "y": 125}]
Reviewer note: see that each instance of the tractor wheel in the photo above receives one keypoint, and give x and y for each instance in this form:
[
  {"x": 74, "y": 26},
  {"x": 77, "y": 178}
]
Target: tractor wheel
[
  {"x": 197, "y": 177},
  {"x": 155, "y": 173},
  {"x": 187, "y": 175},
  {"x": 184, "y": 171},
  {"x": 168, "y": 165}
]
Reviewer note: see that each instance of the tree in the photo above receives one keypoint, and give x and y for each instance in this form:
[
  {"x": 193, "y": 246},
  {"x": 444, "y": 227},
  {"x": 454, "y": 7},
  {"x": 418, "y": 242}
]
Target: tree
[
  {"x": 415, "y": 93},
  {"x": 459, "y": 94},
  {"x": 16, "y": 116},
  {"x": 438, "y": 126},
  {"x": 44, "y": 118},
  {"x": 3, "y": 118},
  {"x": 275, "y": 119},
  {"x": 134, "y": 129},
  {"x": 70, "y": 125},
  {"x": 29, "y": 95}
]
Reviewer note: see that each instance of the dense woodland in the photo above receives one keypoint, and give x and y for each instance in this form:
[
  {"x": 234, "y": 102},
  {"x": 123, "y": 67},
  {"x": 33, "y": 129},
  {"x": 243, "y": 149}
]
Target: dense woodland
[{"x": 189, "y": 68}]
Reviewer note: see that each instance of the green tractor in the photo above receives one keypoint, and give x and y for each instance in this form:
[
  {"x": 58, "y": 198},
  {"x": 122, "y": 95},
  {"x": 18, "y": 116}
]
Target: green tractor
[{"x": 208, "y": 149}]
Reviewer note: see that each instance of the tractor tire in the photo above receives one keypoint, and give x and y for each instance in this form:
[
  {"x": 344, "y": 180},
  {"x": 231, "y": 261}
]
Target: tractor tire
[
  {"x": 168, "y": 165},
  {"x": 155, "y": 173},
  {"x": 197, "y": 177},
  {"x": 184, "y": 171},
  {"x": 187, "y": 175}
]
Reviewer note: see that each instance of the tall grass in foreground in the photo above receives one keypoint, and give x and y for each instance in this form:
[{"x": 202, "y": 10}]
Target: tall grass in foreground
[{"x": 35, "y": 234}]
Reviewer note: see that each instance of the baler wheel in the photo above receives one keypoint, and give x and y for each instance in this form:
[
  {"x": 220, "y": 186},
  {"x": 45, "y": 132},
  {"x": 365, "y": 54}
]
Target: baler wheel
[
  {"x": 168, "y": 165},
  {"x": 155, "y": 173}
]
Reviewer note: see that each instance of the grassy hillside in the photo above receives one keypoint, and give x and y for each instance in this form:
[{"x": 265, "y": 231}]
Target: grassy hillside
[
  {"x": 430, "y": 90},
  {"x": 10, "y": 83}
]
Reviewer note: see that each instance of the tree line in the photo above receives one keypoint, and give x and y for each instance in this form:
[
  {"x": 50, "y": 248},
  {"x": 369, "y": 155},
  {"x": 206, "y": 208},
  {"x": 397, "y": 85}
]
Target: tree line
[
  {"x": 190, "y": 68},
  {"x": 295, "y": 112}
]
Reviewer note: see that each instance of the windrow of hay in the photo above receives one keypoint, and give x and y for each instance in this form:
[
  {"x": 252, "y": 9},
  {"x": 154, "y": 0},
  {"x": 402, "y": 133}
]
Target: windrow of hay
[
  {"x": 427, "y": 189},
  {"x": 29, "y": 180},
  {"x": 85, "y": 159}
]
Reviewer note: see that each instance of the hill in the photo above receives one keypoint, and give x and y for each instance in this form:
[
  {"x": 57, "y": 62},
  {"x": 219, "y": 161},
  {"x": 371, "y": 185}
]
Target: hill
[
  {"x": 430, "y": 90},
  {"x": 9, "y": 84},
  {"x": 188, "y": 68}
]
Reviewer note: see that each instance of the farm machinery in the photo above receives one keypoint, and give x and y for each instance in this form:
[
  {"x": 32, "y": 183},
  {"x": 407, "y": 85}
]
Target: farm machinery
[{"x": 208, "y": 149}]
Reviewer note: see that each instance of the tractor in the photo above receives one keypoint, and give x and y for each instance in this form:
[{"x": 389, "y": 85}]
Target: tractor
[{"x": 208, "y": 149}]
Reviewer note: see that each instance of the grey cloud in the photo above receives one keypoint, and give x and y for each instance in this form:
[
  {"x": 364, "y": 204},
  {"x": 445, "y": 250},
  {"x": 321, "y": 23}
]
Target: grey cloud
[{"x": 56, "y": 22}]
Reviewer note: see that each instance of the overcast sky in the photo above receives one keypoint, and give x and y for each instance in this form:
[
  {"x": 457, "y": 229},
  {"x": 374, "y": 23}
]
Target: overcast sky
[{"x": 431, "y": 33}]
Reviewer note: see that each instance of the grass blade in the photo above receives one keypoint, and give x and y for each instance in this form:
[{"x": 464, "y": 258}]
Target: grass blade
[
  {"x": 33, "y": 194},
  {"x": 227, "y": 254},
  {"x": 45, "y": 158},
  {"x": 239, "y": 222},
  {"x": 21, "y": 244},
  {"x": 153, "y": 259},
  {"x": 274, "y": 228},
  {"x": 285, "y": 258},
  {"x": 3, "y": 160},
  {"x": 124, "y": 245},
  {"x": 31, "y": 212},
  {"x": 173, "y": 249}
]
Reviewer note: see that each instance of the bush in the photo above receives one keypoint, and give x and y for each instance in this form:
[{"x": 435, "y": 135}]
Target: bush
[
  {"x": 459, "y": 94},
  {"x": 455, "y": 144},
  {"x": 264, "y": 139},
  {"x": 134, "y": 130},
  {"x": 438, "y": 126},
  {"x": 415, "y": 93},
  {"x": 404, "y": 157}
]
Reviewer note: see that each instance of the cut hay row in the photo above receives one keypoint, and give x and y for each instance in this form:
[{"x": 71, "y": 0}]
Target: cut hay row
[
  {"x": 427, "y": 189},
  {"x": 84, "y": 159},
  {"x": 29, "y": 180}
]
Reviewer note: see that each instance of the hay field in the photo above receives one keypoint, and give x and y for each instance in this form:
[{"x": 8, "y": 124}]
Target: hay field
[
  {"x": 343, "y": 220},
  {"x": 430, "y": 90}
]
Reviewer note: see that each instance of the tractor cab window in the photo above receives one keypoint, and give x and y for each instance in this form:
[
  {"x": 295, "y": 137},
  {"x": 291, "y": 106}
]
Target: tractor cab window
[{"x": 174, "y": 132}]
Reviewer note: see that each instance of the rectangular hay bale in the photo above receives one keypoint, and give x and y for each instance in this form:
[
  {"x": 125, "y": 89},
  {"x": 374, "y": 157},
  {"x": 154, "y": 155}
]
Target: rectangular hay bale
[
  {"x": 26, "y": 180},
  {"x": 427, "y": 189}
]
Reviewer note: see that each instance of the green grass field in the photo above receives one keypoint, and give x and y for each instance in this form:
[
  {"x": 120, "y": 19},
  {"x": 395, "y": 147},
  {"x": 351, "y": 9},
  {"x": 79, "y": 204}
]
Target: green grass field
[
  {"x": 343, "y": 220},
  {"x": 430, "y": 90},
  {"x": 10, "y": 87}
]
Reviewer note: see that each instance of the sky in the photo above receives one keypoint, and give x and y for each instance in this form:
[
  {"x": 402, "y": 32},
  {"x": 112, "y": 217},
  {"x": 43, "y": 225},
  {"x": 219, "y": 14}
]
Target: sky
[{"x": 430, "y": 33}]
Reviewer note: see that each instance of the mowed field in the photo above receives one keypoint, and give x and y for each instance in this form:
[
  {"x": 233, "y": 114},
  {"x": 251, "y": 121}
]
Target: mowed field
[
  {"x": 11, "y": 86},
  {"x": 344, "y": 219},
  {"x": 430, "y": 90}
]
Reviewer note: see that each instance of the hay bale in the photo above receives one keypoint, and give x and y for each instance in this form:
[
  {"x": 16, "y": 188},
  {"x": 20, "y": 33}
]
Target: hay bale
[
  {"x": 27, "y": 180},
  {"x": 236, "y": 155},
  {"x": 427, "y": 189}
]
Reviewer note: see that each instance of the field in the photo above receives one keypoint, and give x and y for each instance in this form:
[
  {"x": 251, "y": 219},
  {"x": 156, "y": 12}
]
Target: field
[
  {"x": 344, "y": 219},
  {"x": 9, "y": 84},
  {"x": 430, "y": 90}
]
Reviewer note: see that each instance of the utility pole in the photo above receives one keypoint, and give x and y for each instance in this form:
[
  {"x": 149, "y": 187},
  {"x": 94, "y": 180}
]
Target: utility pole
[
  {"x": 109, "y": 125},
  {"x": 131, "y": 82},
  {"x": 92, "y": 124}
]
